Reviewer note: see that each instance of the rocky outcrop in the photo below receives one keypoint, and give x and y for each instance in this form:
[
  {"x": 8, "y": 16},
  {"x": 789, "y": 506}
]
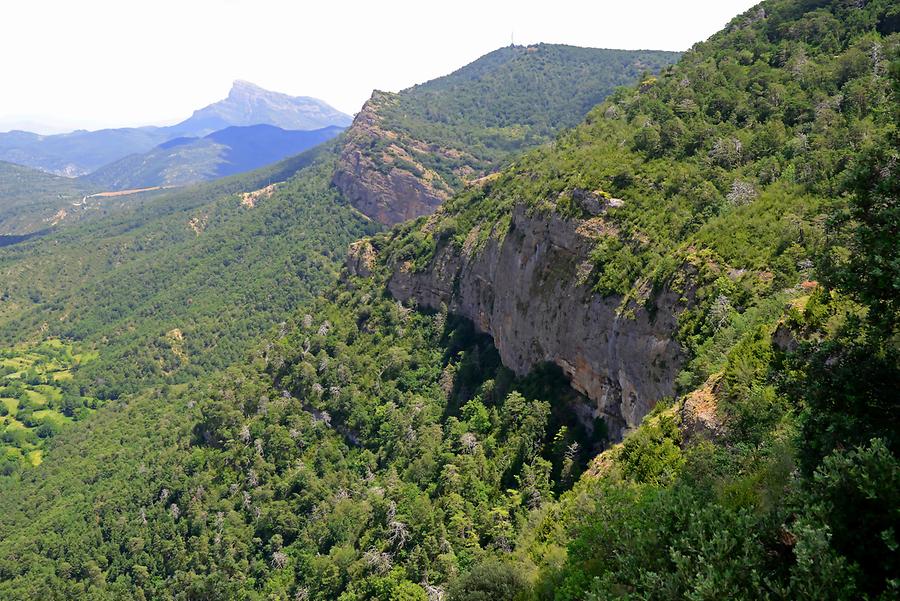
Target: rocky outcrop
[
  {"x": 530, "y": 292},
  {"x": 699, "y": 412},
  {"x": 378, "y": 171},
  {"x": 361, "y": 258}
]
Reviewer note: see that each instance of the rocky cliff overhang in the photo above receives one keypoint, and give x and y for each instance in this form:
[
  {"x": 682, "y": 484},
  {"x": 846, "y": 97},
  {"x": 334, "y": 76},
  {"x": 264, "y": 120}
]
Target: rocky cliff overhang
[{"x": 530, "y": 292}]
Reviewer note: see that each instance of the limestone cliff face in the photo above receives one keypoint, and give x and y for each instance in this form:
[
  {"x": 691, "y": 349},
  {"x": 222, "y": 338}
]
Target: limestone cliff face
[
  {"x": 529, "y": 293},
  {"x": 378, "y": 171}
]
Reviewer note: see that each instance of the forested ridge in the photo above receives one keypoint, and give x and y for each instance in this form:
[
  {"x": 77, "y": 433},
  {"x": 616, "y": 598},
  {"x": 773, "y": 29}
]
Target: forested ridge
[
  {"x": 373, "y": 449},
  {"x": 31, "y": 198},
  {"x": 407, "y": 152},
  {"x": 510, "y": 100}
]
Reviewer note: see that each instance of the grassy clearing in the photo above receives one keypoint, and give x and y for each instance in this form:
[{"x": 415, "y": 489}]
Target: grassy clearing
[
  {"x": 51, "y": 415},
  {"x": 37, "y": 400},
  {"x": 80, "y": 358},
  {"x": 49, "y": 392},
  {"x": 35, "y": 457},
  {"x": 17, "y": 363},
  {"x": 36, "y": 397},
  {"x": 13, "y": 424},
  {"x": 12, "y": 453},
  {"x": 64, "y": 375},
  {"x": 11, "y": 405}
]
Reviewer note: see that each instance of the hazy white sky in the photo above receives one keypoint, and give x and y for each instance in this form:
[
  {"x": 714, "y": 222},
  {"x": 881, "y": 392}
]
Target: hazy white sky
[{"x": 92, "y": 63}]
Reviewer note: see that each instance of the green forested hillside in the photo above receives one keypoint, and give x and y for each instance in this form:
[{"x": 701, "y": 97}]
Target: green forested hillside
[
  {"x": 512, "y": 99},
  {"x": 739, "y": 149},
  {"x": 34, "y": 203},
  {"x": 371, "y": 446},
  {"x": 407, "y": 152},
  {"x": 37, "y": 400},
  {"x": 176, "y": 288},
  {"x": 29, "y": 198},
  {"x": 373, "y": 450},
  {"x": 763, "y": 161}
]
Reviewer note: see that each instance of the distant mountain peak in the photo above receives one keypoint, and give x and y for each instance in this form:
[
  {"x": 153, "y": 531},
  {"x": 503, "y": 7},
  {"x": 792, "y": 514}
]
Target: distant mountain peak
[
  {"x": 243, "y": 83},
  {"x": 81, "y": 152},
  {"x": 250, "y": 104},
  {"x": 242, "y": 86},
  {"x": 243, "y": 90}
]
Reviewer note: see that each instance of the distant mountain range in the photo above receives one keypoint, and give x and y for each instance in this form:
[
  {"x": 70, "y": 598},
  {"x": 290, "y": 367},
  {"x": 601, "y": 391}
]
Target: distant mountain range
[
  {"x": 82, "y": 152},
  {"x": 249, "y": 104},
  {"x": 189, "y": 160}
]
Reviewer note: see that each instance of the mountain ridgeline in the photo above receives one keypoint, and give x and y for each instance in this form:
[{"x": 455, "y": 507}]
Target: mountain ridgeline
[
  {"x": 82, "y": 152},
  {"x": 251, "y": 128},
  {"x": 408, "y": 152},
  {"x": 653, "y": 358},
  {"x": 228, "y": 151},
  {"x": 31, "y": 198}
]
